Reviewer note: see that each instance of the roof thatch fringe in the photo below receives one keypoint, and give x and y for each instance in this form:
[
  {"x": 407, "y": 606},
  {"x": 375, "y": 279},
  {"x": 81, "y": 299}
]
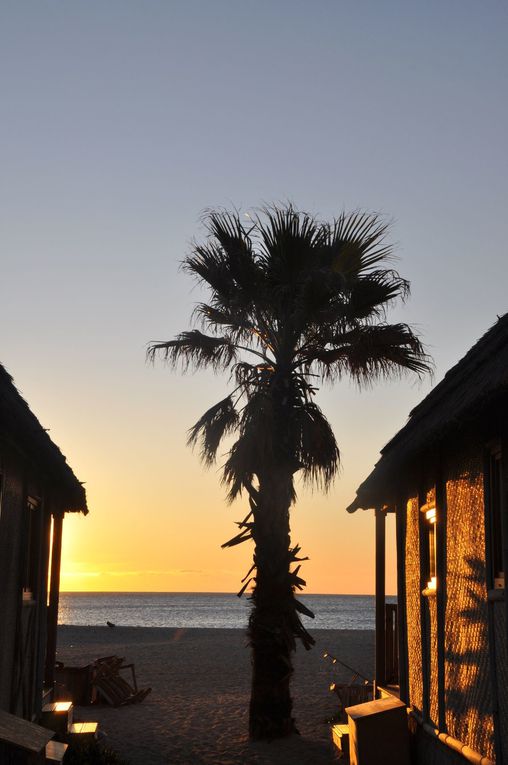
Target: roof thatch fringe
[
  {"x": 460, "y": 399},
  {"x": 21, "y": 429}
]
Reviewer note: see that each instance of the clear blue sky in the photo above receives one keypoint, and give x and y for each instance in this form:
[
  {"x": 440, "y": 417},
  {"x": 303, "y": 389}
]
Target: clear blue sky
[{"x": 121, "y": 122}]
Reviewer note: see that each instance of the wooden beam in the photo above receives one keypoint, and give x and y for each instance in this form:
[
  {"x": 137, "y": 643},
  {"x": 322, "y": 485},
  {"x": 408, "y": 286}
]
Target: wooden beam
[
  {"x": 441, "y": 569},
  {"x": 380, "y": 597},
  {"x": 504, "y": 522},
  {"x": 424, "y": 606},
  {"x": 54, "y": 594},
  {"x": 401, "y": 523},
  {"x": 491, "y": 625},
  {"x": 41, "y": 599}
]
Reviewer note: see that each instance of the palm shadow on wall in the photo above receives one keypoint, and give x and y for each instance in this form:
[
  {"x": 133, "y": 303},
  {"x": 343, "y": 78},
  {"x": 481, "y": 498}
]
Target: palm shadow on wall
[{"x": 468, "y": 698}]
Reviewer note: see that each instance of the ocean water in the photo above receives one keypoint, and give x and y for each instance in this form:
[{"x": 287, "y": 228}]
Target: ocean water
[{"x": 219, "y": 610}]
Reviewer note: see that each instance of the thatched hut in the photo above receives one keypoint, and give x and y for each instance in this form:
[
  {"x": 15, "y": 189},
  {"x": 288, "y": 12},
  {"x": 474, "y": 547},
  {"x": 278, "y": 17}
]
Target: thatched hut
[
  {"x": 444, "y": 475},
  {"x": 37, "y": 487}
]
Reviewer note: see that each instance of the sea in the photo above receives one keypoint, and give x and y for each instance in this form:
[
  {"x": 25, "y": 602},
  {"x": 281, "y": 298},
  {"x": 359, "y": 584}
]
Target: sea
[{"x": 205, "y": 609}]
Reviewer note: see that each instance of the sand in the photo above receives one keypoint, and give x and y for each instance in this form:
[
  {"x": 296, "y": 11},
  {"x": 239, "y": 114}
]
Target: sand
[{"x": 197, "y": 711}]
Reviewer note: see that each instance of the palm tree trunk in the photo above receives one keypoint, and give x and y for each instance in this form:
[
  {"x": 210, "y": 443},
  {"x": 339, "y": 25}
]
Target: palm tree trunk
[{"x": 270, "y": 624}]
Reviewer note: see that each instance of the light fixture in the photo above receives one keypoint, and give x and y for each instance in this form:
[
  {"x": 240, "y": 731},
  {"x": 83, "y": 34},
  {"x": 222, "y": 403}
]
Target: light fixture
[
  {"x": 430, "y": 515},
  {"x": 432, "y": 585}
]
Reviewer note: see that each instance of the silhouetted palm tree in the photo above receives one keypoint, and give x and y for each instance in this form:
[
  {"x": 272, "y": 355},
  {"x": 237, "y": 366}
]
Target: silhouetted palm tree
[{"x": 292, "y": 300}]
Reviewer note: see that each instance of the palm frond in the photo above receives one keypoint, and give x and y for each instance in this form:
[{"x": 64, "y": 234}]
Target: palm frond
[
  {"x": 288, "y": 239},
  {"x": 241, "y": 465},
  {"x": 220, "y": 420},
  {"x": 365, "y": 298},
  {"x": 371, "y": 352},
  {"x": 234, "y": 320},
  {"x": 315, "y": 445},
  {"x": 195, "y": 349},
  {"x": 226, "y": 262},
  {"x": 209, "y": 263},
  {"x": 357, "y": 243},
  {"x": 372, "y": 294},
  {"x": 254, "y": 450}
]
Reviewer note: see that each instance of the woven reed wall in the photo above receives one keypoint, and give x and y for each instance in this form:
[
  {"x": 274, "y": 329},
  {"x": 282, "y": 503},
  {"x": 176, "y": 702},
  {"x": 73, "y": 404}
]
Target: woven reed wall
[
  {"x": 502, "y": 673},
  {"x": 467, "y": 681},
  {"x": 414, "y": 638},
  {"x": 433, "y": 674}
]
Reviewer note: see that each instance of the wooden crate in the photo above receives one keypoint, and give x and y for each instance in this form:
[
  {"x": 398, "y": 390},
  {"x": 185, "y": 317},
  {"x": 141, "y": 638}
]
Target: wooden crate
[{"x": 378, "y": 733}]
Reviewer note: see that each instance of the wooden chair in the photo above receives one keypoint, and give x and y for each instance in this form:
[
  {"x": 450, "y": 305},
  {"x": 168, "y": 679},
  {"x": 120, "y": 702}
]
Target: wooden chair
[
  {"x": 350, "y": 694},
  {"x": 112, "y": 687}
]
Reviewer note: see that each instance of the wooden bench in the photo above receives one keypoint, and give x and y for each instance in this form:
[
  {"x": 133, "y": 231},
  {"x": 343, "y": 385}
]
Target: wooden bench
[{"x": 22, "y": 739}]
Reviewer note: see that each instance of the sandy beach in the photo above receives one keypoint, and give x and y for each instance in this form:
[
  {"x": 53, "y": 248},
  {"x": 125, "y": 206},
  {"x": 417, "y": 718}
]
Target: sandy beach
[{"x": 197, "y": 711}]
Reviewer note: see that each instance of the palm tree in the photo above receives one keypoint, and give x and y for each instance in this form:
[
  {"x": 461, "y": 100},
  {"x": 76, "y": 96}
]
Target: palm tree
[{"x": 292, "y": 300}]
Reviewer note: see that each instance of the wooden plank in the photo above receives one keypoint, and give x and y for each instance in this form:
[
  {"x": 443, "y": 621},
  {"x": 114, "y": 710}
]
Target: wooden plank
[
  {"x": 498, "y": 744},
  {"x": 54, "y": 592},
  {"x": 441, "y": 569},
  {"x": 424, "y": 608},
  {"x": 380, "y": 598},
  {"x": 504, "y": 532},
  {"x": 376, "y": 707},
  {"x": 42, "y": 619},
  {"x": 23, "y": 734}
]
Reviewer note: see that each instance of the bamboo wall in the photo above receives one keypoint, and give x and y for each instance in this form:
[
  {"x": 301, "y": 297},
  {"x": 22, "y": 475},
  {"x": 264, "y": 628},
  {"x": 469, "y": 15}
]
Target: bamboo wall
[
  {"x": 467, "y": 671},
  {"x": 464, "y": 688},
  {"x": 414, "y": 638}
]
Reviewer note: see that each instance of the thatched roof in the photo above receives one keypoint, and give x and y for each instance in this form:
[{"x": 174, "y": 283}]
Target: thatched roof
[
  {"x": 460, "y": 400},
  {"x": 21, "y": 429}
]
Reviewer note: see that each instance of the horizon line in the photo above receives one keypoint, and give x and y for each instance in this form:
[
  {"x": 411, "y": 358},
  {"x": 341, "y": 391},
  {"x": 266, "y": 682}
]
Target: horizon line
[{"x": 211, "y": 592}]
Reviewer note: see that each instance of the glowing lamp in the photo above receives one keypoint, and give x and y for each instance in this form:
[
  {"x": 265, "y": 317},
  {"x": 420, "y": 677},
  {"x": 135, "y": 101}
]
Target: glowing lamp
[{"x": 430, "y": 515}]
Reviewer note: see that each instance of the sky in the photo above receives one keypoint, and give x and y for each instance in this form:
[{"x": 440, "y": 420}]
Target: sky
[{"x": 123, "y": 121}]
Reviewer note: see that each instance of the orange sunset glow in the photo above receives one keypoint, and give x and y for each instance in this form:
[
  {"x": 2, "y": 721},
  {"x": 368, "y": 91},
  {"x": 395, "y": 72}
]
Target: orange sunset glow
[{"x": 182, "y": 543}]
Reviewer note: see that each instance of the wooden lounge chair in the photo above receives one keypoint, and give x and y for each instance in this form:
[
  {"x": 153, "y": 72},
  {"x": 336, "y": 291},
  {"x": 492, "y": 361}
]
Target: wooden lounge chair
[
  {"x": 350, "y": 694},
  {"x": 112, "y": 687}
]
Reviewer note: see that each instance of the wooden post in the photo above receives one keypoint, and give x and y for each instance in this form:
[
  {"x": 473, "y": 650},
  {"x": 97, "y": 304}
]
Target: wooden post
[
  {"x": 380, "y": 598},
  {"x": 401, "y": 523},
  {"x": 54, "y": 593},
  {"x": 504, "y": 524},
  {"x": 491, "y": 624},
  {"x": 424, "y": 606},
  {"x": 441, "y": 569},
  {"x": 41, "y": 599}
]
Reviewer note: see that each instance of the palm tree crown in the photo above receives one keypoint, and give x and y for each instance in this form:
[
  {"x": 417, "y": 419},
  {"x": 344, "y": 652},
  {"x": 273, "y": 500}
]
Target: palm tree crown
[{"x": 292, "y": 300}]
